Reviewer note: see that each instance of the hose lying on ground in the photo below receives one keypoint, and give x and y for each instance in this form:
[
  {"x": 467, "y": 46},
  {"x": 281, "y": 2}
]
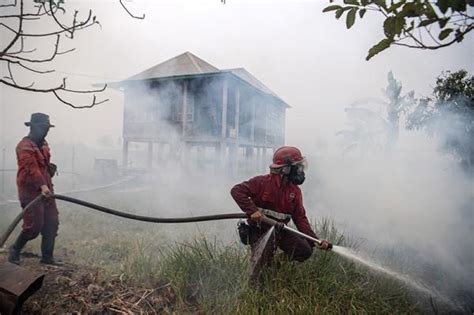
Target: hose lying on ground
[{"x": 127, "y": 215}]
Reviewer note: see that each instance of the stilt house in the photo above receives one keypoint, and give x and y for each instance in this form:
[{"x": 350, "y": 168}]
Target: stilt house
[{"x": 190, "y": 106}]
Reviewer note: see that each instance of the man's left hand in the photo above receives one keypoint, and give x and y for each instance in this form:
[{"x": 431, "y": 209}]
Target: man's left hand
[{"x": 325, "y": 245}]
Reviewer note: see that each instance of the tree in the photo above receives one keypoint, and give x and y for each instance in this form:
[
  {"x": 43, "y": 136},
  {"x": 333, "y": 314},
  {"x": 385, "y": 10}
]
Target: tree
[
  {"x": 449, "y": 115},
  {"x": 20, "y": 29},
  {"x": 422, "y": 24},
  {"x": 375, "y": 122}
]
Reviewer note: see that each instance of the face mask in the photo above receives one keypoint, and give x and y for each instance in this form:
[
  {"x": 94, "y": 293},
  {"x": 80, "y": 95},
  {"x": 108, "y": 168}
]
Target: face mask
[
  {"x": 296, "y": 175},
  {"x": 39, "y": 132}
]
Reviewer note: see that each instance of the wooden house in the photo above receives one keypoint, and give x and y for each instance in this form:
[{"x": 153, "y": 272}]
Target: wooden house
[{"x": 190, "y": 106}]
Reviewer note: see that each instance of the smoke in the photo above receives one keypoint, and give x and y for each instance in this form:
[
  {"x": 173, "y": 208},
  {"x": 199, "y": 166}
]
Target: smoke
[{"x": 412, "y": 206}]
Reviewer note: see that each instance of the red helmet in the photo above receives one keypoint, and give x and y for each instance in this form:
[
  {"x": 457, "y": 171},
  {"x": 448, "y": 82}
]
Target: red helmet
[{"x": 287, "y": 156}]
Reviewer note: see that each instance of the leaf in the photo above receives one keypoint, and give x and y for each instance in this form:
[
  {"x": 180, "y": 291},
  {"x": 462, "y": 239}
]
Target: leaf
[
  {"x": 443, "y": 22},
  {"x": 381, "y": 3},
  {"x": 443, "y": 5},
  {"x": 395, "y": 6},
  {"x": 410, "y": 10},
  {"x": 351, "y": 18},
  {"x": 445, "y": 33},
  {"x": 393, "y": 26},
  {"x": 362, "y": 13},
  {"x": 458, "y": 5},
  {"x": 331, "y": 8},
  {"x": 353, "y": 2},
  {"x": 364, "y": 2},
  {"x": 339, "y": 12},
  {"x": 459, "y": 36},
  {"x": 426, "y": 23},
  {"x": 380, "y": 46},
  {"x": 430, "y": 12}
]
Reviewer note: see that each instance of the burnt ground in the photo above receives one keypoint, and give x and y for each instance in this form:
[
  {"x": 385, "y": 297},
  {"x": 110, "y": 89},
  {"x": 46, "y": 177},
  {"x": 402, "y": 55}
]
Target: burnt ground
[{"x": 75, "y": 289}]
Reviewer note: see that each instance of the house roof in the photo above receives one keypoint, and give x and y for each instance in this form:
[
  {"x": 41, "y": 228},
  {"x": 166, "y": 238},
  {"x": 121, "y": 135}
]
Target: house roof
[
  {"x": 188, "y": 64},
  {"x": 184, "y": 64},
  {"x": 246, "y": 76}
]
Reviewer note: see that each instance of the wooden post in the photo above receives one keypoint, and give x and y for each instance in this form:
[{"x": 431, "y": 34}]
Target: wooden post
[
  {"x": 200, "y": 158},
  {"x": 265, "y": 161},
  {"x": 252, "y": 132},
  {"x": 235, "y": 151},
  {"x": 237, "y": 112},
  {"x": 224, "y": 110},
  {"x": 125, "y": 153},
  {"x": 225, "y": 86},
  {"x": 185, "y": 105},
  {"x": 183, "y": 122},
  {"x": 150, "y": 155}
]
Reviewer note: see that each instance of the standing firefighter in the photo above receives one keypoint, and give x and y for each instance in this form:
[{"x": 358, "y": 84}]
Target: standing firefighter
[
  {"x": 34, "y": 178},
  {"x": 277, "y": 196}
]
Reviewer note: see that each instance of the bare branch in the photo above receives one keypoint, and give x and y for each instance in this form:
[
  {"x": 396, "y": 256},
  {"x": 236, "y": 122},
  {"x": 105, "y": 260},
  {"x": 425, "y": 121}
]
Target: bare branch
[
  {"x": 11, "y": 74},
  {"x": 102, "y": 89},
  {"x": 21, "y": 50},
  {"x": 130, "y": 13},
  {"x": 61, "y": 87},
  {"x": 423, "y": 46},
  {"x": 94, "y": 103},
  {"x": 10, "y": 62},
  {"x": 57, "y": 21},
  {"x": 65, "y": 52},
  {"x": 9, "y": 5},
  {"x": 13, "y": 51},
  {"x": 76, "y": 27},
  {"x": 25, "y": 16},
  {"x": 17, "y": 33},
  {"x": 55, "y": 52},
  {"x": 26, "y": 88}
]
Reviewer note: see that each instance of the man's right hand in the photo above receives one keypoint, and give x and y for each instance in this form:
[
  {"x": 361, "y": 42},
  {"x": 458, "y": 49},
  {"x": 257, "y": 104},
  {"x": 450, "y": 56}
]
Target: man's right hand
[
  {"x": 45, "y": 191},
  {"x": 256, "y": 216}
]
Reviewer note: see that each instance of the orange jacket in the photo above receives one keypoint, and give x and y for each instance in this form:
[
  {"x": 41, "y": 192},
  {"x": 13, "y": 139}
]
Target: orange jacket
[
  {"x": 32, "y": 168},
  {"x": 268, "y": 192}
]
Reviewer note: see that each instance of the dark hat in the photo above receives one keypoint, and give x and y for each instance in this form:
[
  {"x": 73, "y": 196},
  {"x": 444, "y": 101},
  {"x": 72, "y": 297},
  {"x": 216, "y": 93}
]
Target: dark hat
[{"x": 39, "y": 119}]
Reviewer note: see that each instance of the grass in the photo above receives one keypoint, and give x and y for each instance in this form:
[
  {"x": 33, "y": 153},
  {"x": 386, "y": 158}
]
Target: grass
[
  {"x": 208, "y": 273},
  {"x": 214, "y": 277}
]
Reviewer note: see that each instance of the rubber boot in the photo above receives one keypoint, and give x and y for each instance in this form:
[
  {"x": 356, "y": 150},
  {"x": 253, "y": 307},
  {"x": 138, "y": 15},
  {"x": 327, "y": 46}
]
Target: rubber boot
[
  {"x": 47, "y": 249},
  {"x": 15, "y": 250}
]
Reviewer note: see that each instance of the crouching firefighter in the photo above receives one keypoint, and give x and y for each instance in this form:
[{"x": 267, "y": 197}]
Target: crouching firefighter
[
  {"x": 34, "y": 178},
  {"x": 277, "y": 196}
]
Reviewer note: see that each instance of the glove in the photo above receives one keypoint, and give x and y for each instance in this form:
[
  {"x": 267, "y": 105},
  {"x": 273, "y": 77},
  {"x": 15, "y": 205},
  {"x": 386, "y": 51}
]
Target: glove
[
  {"x": 325, "y": 245},
  {"x": 52, "y": 169}
]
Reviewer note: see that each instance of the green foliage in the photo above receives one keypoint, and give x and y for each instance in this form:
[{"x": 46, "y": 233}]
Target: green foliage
[
  {"x": 406, "y": 21},
  {"x": 449, "y": 115},
  {"x": 451, "y": 86}
]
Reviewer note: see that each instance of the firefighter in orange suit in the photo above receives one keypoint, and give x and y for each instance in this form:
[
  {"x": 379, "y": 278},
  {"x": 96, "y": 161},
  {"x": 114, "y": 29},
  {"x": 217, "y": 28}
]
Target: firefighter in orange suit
[{"x": 34, "y": 178}]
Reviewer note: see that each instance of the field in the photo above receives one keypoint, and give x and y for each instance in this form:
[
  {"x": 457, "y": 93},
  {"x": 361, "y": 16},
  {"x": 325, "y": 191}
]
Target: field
[{"x": 115, "y": 265}]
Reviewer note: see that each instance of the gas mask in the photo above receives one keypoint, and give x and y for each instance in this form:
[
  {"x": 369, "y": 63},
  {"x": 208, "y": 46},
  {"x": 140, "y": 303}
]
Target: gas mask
[
  {"x": 296, "y": 175},
  {"x": 39, "y": 132}
]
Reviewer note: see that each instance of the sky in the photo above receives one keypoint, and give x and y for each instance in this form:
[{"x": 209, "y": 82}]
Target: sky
[{"x": 305, "y": 56}]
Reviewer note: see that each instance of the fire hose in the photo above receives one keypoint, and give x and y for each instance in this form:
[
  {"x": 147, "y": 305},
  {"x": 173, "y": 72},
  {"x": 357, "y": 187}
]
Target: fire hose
[{"x": 215, "y": 217}]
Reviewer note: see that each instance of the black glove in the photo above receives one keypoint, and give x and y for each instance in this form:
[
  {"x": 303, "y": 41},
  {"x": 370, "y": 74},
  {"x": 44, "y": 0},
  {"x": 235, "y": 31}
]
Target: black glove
[
  {"x": 244, "y": 232},
  {"x": 52, "y": 169}
]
